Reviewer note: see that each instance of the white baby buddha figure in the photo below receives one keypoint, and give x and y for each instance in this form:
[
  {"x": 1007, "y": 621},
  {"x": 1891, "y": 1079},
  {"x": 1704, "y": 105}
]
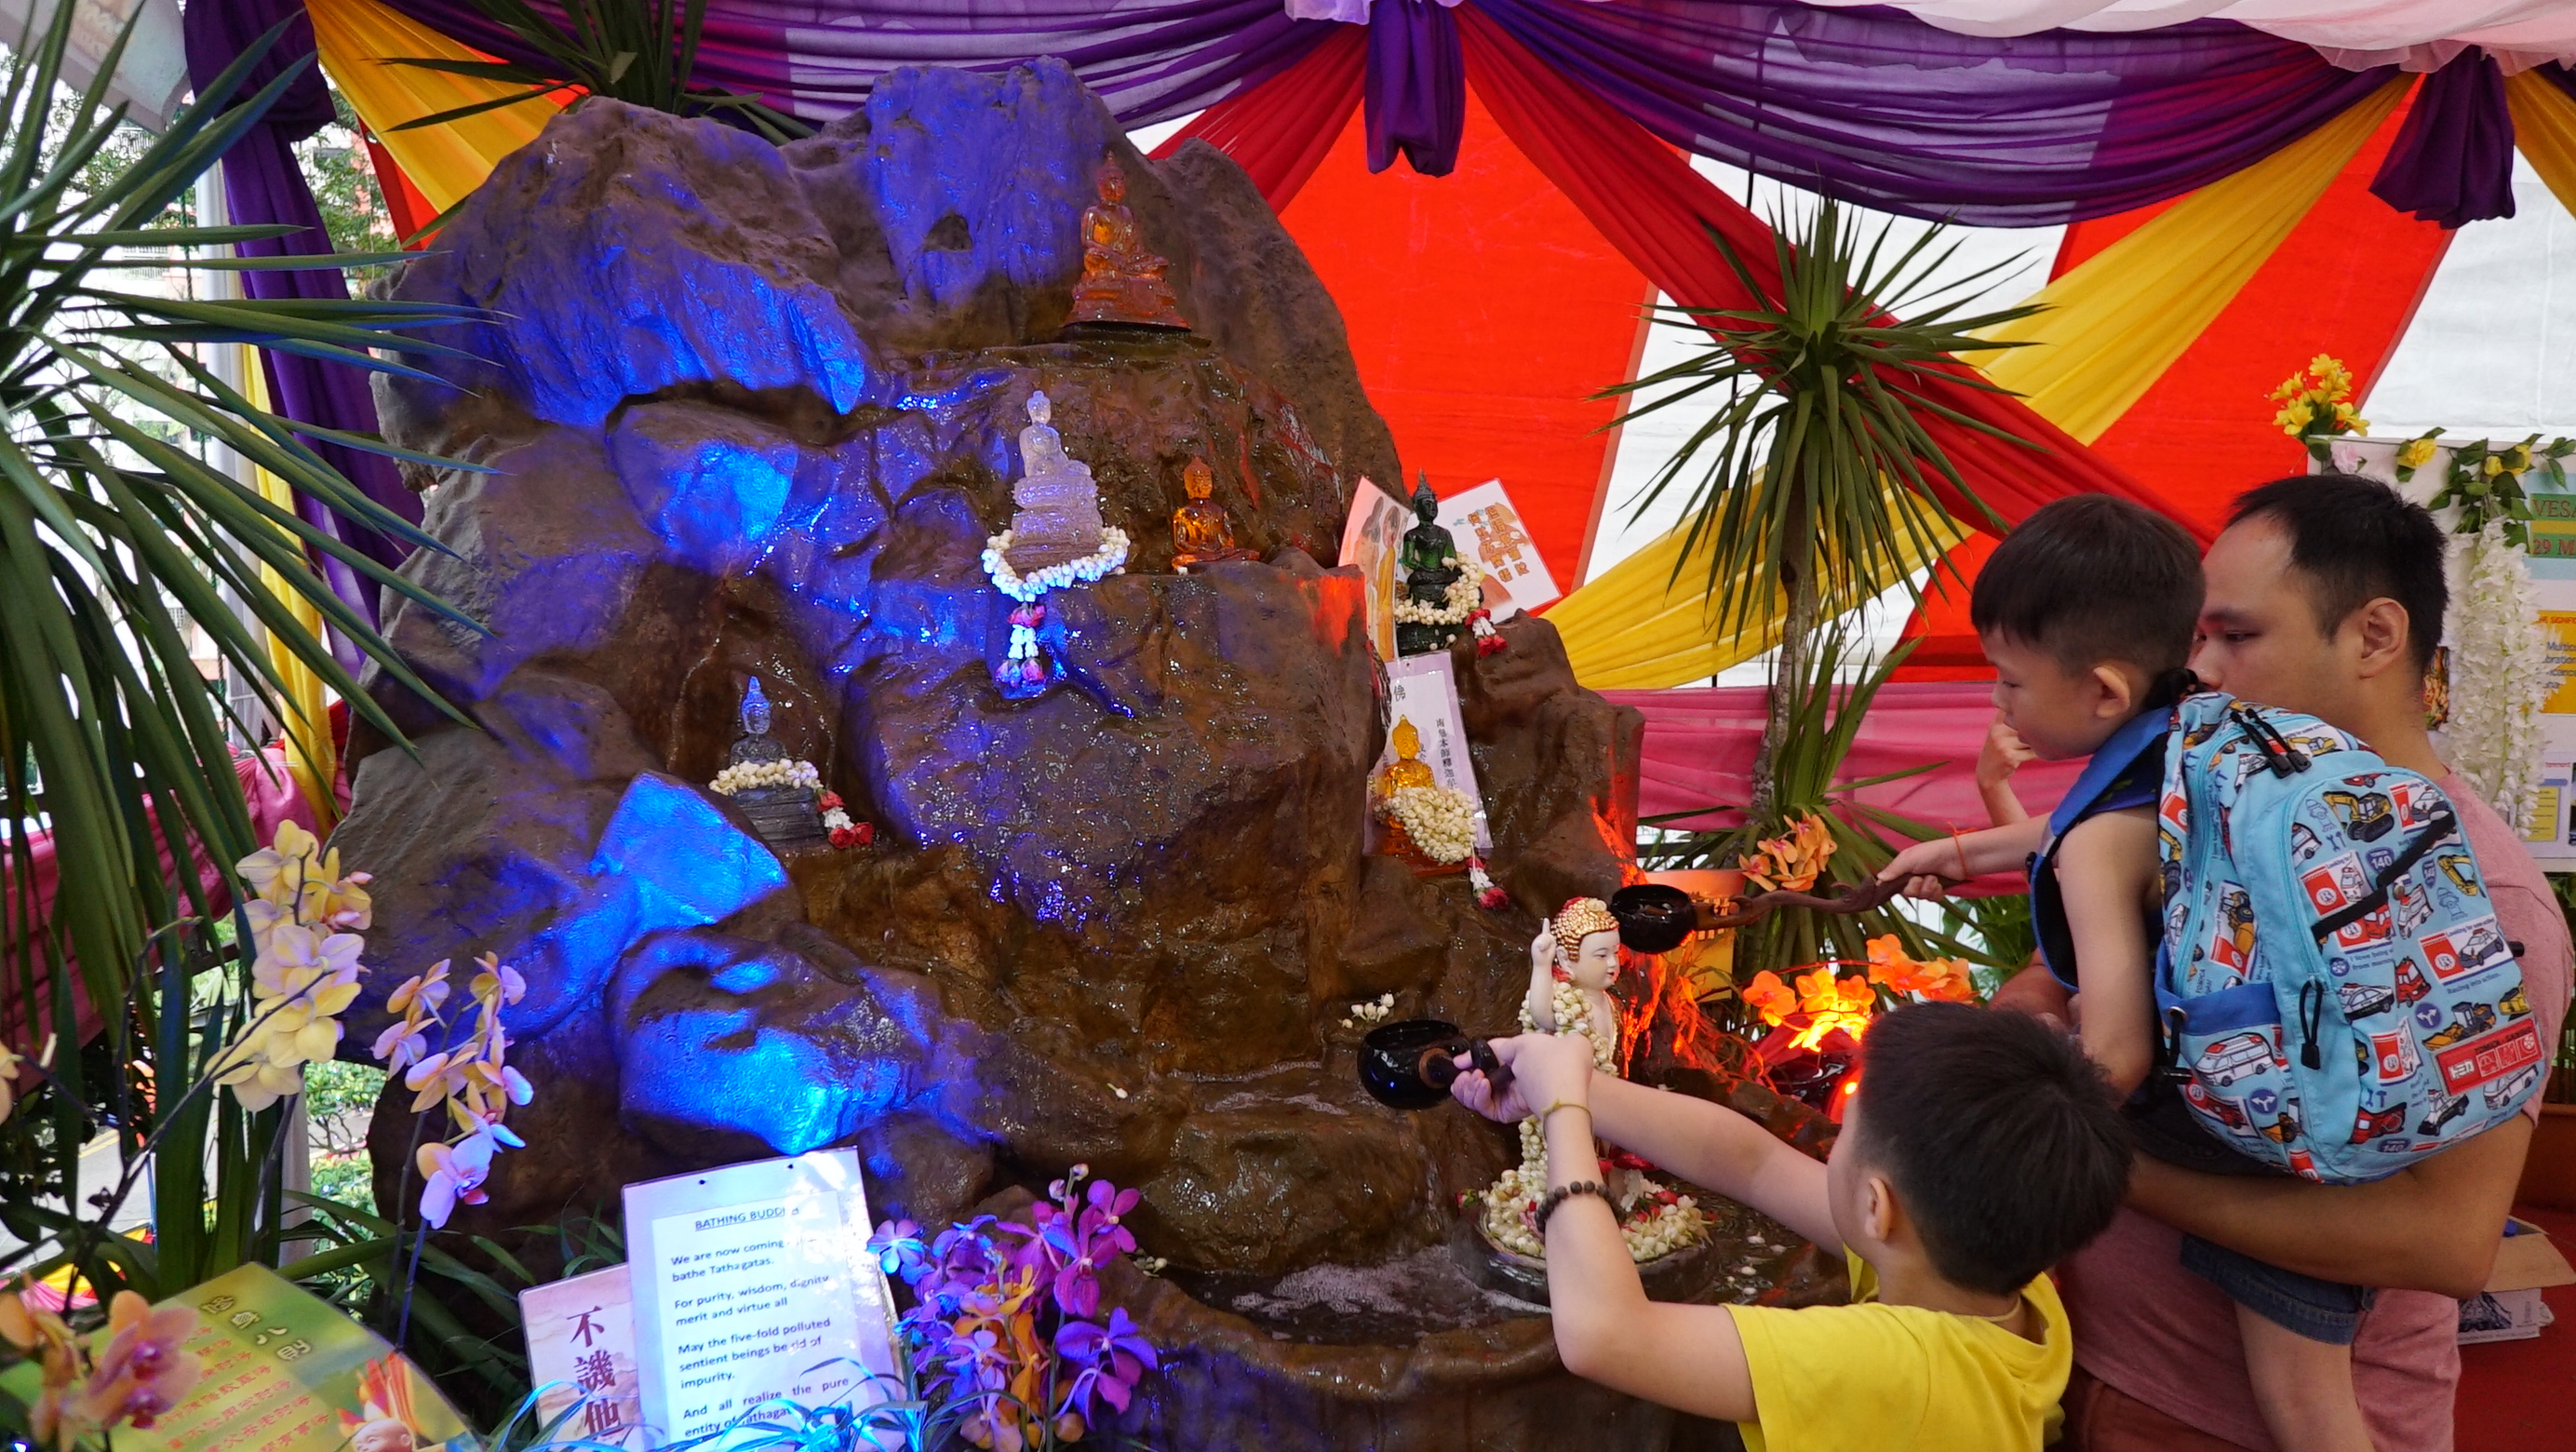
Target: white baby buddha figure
[{"x": 1573, "y": 962}]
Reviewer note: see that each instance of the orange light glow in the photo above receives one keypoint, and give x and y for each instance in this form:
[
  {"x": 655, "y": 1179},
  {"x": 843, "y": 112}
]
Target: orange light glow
[{"x": 1819, "y": 1004}]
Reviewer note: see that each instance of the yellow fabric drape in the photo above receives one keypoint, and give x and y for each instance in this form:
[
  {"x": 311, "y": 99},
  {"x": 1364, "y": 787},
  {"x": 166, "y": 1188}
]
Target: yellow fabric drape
[
  {"x": 2544, "y": 129},
  {"x": 356, "y": 37},
  {"x": 1673, "y": 643},
  {"x": 310, "y": 757},
  {"x": 2114, "y": 324},
  {"x": 2111, "y": 328}
]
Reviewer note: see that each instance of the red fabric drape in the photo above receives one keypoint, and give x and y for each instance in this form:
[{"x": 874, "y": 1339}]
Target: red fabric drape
[
  {"x": 1279, "y": 131},
  {"x": 1483, "y": 310},
  {"x": 1658, "y": 212},
  {"x": 409, "y": 209}
]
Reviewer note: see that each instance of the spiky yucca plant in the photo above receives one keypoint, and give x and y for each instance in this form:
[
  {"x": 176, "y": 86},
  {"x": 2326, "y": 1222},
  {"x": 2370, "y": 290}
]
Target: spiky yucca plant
[
  {"x": 117, "y": 535},
  {"x": 1812, "y": 474}
]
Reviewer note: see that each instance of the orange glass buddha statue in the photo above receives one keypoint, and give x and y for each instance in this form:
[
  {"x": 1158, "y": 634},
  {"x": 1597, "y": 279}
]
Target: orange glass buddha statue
[
  {"x": 1121, "y": 282},
  {"x": 1201, "y": 534},
  {"x": 1408, "y": 769}
]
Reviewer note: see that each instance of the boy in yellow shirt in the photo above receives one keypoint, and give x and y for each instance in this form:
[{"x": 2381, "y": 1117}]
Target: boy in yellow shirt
[{"x": 1980, "y": 1148}]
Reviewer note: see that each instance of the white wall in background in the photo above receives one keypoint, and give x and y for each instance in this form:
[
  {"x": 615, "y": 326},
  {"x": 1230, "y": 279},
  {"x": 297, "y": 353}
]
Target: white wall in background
[{"x": 2492, "y": 352}]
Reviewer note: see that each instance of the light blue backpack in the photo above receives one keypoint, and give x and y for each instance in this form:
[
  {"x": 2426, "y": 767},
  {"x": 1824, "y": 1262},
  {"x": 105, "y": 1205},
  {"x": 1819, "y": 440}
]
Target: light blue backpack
[{"x": 2337, "y": 995}]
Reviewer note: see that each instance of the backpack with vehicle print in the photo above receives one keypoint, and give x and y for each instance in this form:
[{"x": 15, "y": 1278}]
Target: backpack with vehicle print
[{"x": 2337, "y": 995}]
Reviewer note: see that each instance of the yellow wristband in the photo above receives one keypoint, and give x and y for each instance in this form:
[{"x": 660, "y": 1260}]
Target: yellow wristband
[{"x": 1563, "y": 1104}]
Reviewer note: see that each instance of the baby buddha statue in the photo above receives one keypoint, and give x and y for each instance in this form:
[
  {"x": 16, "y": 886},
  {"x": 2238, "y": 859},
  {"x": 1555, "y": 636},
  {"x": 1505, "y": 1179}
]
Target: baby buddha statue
[
  {"x": 1122, "y": 282},
  {"x": 1428, "y": 556},
  {"x": 1573, "y": 962},
  {"x": 1201, "y": 535}
]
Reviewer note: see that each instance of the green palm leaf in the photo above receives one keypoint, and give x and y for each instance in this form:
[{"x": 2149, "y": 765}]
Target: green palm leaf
[
  {"x": 644, "y": 52},
  {"x": 117, "y": 536}
]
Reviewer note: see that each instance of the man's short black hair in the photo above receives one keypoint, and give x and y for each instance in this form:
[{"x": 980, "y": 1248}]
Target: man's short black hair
[
  {"x": 1999, "y": 1136},
  {"x": 2355, "y": 540},
  {"x": 2093, "y": 578}
]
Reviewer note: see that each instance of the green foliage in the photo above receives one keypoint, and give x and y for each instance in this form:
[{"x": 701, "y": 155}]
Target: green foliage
[
  {"x": 115, "y": 538},
  {"x": 1819, "y": 467},
  {"x": 1824, "y": 715},
  {"x": 637, "y": 51},
  {"x": 2486, "y": 484}
]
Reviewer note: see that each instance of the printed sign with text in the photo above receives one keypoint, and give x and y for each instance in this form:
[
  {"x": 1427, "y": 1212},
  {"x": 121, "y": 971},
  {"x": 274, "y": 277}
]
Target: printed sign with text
[
  {"x": 1488, "y": 529},
  {"x": 752, "y": 1282}
]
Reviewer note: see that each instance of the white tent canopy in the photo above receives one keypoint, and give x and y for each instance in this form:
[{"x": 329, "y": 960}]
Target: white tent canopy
[{"x": 2358, "y": 34}]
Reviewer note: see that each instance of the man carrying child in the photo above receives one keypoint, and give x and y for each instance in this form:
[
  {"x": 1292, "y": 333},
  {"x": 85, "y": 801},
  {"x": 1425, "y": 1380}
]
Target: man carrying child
[{"x": 1983, "y": 1148}]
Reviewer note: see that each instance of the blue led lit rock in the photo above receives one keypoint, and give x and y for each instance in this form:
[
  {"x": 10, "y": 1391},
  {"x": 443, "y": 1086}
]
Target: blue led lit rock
[
  {"x": 1036, "y": 138},
  {"x": 713, "y": 484},
  {"x": 753, "y": 411},
  {"x": 581, "y": 242}
]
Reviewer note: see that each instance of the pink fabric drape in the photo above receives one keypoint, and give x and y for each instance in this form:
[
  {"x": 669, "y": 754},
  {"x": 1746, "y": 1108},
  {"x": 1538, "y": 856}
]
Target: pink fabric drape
[
  {"x": 1700, "y": 743},
  {"x": 269, "y": 789}
]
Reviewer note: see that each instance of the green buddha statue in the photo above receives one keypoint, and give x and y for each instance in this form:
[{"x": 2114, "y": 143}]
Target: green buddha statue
[{"x": 1429, "y": 558}]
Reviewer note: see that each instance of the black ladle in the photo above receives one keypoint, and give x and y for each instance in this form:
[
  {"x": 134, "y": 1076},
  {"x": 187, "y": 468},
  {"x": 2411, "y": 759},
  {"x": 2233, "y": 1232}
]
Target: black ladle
[
  {"x": 1655, "y": 918},
  {"x": 1410, "y": 1064}
]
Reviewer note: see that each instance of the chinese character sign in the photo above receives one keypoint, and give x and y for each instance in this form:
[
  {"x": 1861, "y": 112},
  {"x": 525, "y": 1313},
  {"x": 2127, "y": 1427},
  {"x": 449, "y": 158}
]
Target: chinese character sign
[
  {"x": 1486, "y": 525},
  {"x": 581, "y": 1349}
]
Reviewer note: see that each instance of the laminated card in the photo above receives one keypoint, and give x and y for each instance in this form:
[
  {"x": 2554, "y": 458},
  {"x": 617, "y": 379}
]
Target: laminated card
[
  {"x": 581, "y": 1350},
  {"x": 1488, "y": 526},
  {"x": 1423, "y": 689},
  {"x": 753, "y": 1282}
]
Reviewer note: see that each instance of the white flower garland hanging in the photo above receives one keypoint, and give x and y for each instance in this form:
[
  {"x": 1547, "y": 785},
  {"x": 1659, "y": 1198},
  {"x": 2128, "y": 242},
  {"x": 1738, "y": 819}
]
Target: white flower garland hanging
[
  {"x": 1103, "y": 561},
  {"x": 1465, "y": 596},
  {"x": 744, "y": 776},
  {"x": 1025, "y": 664},
  {"x": 1440, "y": 820},
  {"x": 2499, "y": 673}
]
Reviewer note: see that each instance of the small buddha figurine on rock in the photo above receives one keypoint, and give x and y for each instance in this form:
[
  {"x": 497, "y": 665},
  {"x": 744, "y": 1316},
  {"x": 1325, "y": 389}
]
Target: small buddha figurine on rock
[
  {"x": 780, "y": 794},
  {"x": 1121, "y": 282},
  {"x": 1058, "y": 516},
  {"x": 1432, "y": 830},
  {"x": 1201, "y": 535},
  {"x": 1429, "y": 559}
]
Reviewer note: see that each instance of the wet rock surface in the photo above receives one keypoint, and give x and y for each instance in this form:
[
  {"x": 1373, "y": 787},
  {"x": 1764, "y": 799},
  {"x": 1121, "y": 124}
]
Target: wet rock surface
[{"x": 748, "y": 410}]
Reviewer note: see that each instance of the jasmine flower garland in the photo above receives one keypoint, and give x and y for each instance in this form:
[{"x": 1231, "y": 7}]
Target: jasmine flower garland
[
  {"x": 2500, "y": 673},
  {"x": 745, "y": 776},
  {"x": 1465, "y": 596},
  {"x": 1440, "y": 820}
]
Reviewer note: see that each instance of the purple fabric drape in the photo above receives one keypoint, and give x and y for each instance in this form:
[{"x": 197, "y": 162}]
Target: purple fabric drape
[
  {"x": 2452, "y": 161},
  {"x": 1150, "y": 61},
  {"x": 1873, "y": 106},
  {"x": 263, "y": 185},
  {"x": 1416, "y": 86},
  {"x": 1876, "y": 107}
]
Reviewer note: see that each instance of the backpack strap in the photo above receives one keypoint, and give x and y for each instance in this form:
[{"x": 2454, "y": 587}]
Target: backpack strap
[{"x": 2126, "y": 771}]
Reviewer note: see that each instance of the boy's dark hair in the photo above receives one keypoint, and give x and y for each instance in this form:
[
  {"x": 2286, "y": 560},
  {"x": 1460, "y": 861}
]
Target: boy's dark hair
[
  {"x": 2355, "y": 540},
  {"x": 2092, "y": 578},
  {"x": 1998, "y": 1134}
]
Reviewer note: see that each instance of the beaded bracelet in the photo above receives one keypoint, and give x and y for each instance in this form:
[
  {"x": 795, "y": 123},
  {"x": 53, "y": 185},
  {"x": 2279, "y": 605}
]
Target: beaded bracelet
[{"x": 1547, "y": 1206}]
